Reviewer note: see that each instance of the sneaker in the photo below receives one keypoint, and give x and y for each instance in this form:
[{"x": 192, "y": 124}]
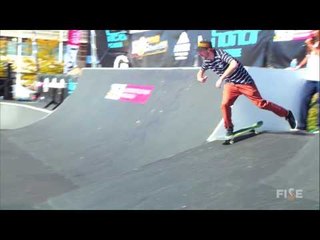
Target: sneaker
[
  {"x": 229, "y": 131},
  {"x": 292, "y": 121},
  {"x": 315, "y": 131}
]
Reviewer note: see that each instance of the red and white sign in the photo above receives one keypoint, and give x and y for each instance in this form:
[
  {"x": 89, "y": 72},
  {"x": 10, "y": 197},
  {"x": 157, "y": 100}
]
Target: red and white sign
[
  {"x": 291, "y": 35},
  {"x": 130, "y": 93},
  {"x": 74, "y": 37}
]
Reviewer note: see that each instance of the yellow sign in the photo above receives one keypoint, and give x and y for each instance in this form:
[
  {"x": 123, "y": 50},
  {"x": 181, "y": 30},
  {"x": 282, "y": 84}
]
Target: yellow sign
[{"x": 149, "y": 46}]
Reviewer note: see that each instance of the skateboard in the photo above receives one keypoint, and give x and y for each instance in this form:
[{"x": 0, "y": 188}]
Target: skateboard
[{"x": 242, "y": 131}]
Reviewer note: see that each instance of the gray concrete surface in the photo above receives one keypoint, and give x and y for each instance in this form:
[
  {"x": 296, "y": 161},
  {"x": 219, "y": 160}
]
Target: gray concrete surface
[
  {"x": 15, "y": 115},
  {"x": 95, "y": 153}
]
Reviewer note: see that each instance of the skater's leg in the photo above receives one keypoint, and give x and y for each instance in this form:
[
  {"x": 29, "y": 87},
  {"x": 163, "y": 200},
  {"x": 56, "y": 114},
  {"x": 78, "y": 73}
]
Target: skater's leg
[
  {"x": 309, "y": 88},
  {"x": 230, "y": 94},
  {"x": 252, "y": 92}
]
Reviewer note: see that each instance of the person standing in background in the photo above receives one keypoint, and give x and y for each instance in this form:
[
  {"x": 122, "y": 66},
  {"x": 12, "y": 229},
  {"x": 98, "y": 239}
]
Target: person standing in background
[{"x": 312, "y": 75}]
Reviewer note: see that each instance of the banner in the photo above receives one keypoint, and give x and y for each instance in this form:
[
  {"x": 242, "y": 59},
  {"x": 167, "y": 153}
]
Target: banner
[
  {"x": 178, "y": 48},
  {"x": 248, "y": 46},
  {"x": 164, "y": 48},
  {"x": 291, "y": 35},
  {"x": 74, "y": 37},
  {"x": 110, "y": 44},
  {"x": 286, "y": 46}
]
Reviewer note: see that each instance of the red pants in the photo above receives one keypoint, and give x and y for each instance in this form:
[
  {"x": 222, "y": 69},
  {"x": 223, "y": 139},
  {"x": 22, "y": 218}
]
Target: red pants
[{"x": 232, "y": 91}]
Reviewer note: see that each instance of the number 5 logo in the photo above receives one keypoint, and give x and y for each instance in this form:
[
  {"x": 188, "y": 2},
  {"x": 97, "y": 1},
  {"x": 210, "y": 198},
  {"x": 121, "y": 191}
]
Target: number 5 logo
[{"x": 116, "y": 91}]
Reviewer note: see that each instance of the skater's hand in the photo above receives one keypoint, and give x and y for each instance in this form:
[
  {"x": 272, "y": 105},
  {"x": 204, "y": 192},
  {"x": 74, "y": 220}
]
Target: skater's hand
[
  {"x": 202, "y": 79},
  {"x": 296, "y": 68},
  {"x": 219, "y": 83},
  {"x": 293, "y": 68}
]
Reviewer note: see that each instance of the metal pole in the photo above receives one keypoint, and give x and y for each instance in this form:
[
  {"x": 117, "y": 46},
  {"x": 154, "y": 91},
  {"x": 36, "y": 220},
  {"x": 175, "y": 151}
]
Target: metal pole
[
  {"x": 61, "y": 46},
  {"x": 93, "y": 48},
  {"x": 19, "y": 59}
]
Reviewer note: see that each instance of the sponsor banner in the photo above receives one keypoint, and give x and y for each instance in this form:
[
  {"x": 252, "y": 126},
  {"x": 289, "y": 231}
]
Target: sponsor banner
[
  {"x": 164, "y": 48},
  {"x": 116, "y": 39},
  {"x": 149, "y": 49},
  {"x": 178, "y": 48},
  {"x": 248, "y": 46},
  {"x": 129, "y": 93},
  {"x": 74, "y": 37},
  {"x": 145, "y": 46},
  {"x": 291, "y": 35},
  {"x": 182, "y": 48},
  {"x": 287, "y": 46},
  {"x": 233, "y": 42},
  {"x": 111, "y": 44}
]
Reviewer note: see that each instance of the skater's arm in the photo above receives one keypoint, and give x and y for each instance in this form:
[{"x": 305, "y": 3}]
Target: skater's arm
[
  {"x": 200, "y": 76},
  {"x": 232, "y": 67},
  {"x": 302, "y": 63}
]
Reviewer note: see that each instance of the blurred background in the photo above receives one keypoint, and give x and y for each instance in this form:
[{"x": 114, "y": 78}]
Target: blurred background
[{"x": 33, "y": 62}]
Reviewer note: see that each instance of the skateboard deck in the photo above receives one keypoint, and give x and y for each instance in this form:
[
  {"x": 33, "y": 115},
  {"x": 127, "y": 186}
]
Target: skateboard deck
[{"x": 243, "y": 131}]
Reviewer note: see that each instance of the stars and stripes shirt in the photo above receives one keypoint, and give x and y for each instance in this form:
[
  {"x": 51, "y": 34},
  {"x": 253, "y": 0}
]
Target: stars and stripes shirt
[{"x": 221, "y": 62}]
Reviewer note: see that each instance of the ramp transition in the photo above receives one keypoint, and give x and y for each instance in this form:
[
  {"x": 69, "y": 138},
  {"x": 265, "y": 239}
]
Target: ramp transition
[{"x": 99, "y": 150}]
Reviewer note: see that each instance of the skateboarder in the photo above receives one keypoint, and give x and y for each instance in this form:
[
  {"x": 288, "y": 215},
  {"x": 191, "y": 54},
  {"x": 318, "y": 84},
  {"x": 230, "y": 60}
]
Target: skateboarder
[
  {"x": 237, "y": 82},
  {"x": 312, "y": 76}
]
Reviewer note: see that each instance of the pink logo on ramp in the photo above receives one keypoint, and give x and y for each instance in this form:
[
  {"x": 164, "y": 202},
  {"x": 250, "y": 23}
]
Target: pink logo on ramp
[{"x": 130, "y": 93}]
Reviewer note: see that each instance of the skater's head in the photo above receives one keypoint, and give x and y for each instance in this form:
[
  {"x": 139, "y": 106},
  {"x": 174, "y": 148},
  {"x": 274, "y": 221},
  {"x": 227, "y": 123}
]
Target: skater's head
[
  {"x": 315, "y": 35},
  {"x": 312, "y": 42},
  {"x": 205, "y": 50},
  {"x": 204, "y": 45}
]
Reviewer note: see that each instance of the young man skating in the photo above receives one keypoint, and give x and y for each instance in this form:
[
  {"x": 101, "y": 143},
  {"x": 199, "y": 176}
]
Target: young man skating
[{"x": 237, "y": 82}]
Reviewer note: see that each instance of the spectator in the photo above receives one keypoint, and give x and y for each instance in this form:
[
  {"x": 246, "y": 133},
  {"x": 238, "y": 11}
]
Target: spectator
[{"x": 311, "y": 76}]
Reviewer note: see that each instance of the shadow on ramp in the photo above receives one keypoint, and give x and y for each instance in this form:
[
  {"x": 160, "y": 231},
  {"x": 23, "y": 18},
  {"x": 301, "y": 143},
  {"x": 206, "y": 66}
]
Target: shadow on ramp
[{"x": 293, "y": 133}]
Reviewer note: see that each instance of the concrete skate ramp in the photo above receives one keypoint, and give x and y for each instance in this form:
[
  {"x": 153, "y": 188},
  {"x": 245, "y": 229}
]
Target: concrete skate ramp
[
  {"x": 90, "y": 138},
  {"x": 243, "y": 176},
  {"x": 94, "y": 153},
  {"x": 13, "y": 115}
]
